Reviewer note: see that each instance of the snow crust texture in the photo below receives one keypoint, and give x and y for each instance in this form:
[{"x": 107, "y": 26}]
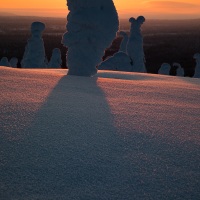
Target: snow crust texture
[
  {"x": 117, "y": 135},
  {"x": 91, "y": 27},
  {"x": 34, "y": 55}
]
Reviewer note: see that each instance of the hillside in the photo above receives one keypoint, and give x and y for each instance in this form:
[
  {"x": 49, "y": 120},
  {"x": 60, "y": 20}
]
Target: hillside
[{"x": 118, "y": 136}]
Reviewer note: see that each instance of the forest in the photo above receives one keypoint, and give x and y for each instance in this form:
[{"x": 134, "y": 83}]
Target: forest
[{"x": 165, "y": 41}]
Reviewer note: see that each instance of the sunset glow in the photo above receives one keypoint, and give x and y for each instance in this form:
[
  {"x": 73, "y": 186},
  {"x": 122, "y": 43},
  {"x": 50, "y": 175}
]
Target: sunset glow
[{"x": 177, "y": 9}]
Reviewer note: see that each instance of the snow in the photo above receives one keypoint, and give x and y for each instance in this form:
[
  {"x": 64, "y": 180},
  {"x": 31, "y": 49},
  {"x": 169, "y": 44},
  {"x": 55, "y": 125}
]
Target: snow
[
  {"x": 91, "y": 28},
  {"x": 116, "y": 135}
]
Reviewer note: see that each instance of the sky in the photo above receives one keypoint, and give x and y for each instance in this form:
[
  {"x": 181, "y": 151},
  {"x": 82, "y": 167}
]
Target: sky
[{"x": 158, "y": 9}]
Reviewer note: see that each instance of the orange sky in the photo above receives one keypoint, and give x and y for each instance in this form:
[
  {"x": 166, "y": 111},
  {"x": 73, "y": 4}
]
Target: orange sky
[{"x": 126, "y": 8}]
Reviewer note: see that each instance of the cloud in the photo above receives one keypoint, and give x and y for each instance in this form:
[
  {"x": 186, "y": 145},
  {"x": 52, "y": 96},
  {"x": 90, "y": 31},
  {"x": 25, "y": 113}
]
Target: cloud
[{"x": 171, "y": 5}]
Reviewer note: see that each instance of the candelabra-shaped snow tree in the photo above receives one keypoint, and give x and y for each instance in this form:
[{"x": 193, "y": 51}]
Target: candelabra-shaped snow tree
[
  {"x": 91, "y": 27},
  {"x": 135, "y": 44}
]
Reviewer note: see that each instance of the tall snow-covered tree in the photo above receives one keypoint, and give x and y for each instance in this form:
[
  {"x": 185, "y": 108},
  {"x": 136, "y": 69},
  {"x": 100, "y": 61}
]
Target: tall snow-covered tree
[
  {"x": 34, "y": 55},
  {"x": 91, "y": 27},
  {"x": 135, "y": 44}
]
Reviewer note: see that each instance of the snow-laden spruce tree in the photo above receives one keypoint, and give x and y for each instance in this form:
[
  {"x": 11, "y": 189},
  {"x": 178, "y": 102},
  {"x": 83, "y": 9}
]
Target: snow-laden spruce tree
[
  {"x": 120, "y": 61},
  {"x": 179, "y": 69},
  {"x": 56, "y": 60},
  {"x": 4, "y": 62},
  {"x": 197, "y": 68},
  {"x": 13, "y": 62},
  {"x": 91, "y": 27},
  {"x": 34, "y": 55},
  {"x": 135, "y": 44},
  {"x": 123, "y": 45},
  {"x": 164, "y": 69}
]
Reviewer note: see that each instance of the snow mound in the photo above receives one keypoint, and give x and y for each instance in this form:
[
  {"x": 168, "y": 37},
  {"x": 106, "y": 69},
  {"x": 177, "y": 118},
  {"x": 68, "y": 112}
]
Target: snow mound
[
  {"x": 120, "y": 61},
  {"x": 114, "y": 136}
]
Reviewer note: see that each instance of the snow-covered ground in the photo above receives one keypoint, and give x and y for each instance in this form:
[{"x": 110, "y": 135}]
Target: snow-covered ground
[{"x": 115, "y": 136}]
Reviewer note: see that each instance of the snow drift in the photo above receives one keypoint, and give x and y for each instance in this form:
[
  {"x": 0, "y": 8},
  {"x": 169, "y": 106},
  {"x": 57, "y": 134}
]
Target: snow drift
[{"x": 113, "y": 136}]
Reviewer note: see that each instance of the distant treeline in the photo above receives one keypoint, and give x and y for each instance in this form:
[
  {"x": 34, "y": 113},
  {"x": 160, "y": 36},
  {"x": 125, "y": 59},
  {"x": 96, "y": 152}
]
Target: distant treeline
[{"x": 165, "y": 41}]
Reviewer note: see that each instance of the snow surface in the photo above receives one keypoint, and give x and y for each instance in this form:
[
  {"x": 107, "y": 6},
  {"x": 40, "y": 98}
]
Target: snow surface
[{"x": 118, "y": 136}]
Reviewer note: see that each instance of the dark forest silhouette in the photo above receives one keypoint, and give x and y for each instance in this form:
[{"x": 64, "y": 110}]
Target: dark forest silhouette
[{"x": 164, "y": 40}]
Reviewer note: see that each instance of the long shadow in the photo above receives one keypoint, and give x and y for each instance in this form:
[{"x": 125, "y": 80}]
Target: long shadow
[{"x": 74, "y": 151}]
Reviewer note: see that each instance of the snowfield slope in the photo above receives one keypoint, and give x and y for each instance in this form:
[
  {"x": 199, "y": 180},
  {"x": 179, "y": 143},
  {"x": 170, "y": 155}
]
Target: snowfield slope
[{"x": 115, "y": 136}]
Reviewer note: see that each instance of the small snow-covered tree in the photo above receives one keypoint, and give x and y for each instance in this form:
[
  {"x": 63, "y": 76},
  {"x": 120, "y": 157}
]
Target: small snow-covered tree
[
  {"x": 56, "y": 60},
  {"x": 135, "y": 44},
  {"x": 13, "y": 62},
  {"x": 197, "y": 68},
  {"x": 179, "y": 69},
  {"x": 4, "y": 62},
  {"x": 165, "y": 69},
  {"x": 34, "y": 55},
  {"x": 91, "y": 27}
]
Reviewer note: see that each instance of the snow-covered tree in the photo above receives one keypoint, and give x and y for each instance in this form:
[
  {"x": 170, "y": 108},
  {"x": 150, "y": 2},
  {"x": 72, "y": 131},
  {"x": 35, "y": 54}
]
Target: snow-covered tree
[
  {"x": 165, "y": 69},
  {"x": 13, "y": 62},
  {"x": 4, "y": 62},
  {"x": 197, "y": 68},
  {"x": 56, "y": 60},
  {"x": 91, "y": 27},
  {"x": 123, "y": 46},
  {"x": 34, "y": 55},
  {"x": 179, "y": 69},
  {"x": 135, "y": 44},
  {"x": 118, "y": 62}
]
